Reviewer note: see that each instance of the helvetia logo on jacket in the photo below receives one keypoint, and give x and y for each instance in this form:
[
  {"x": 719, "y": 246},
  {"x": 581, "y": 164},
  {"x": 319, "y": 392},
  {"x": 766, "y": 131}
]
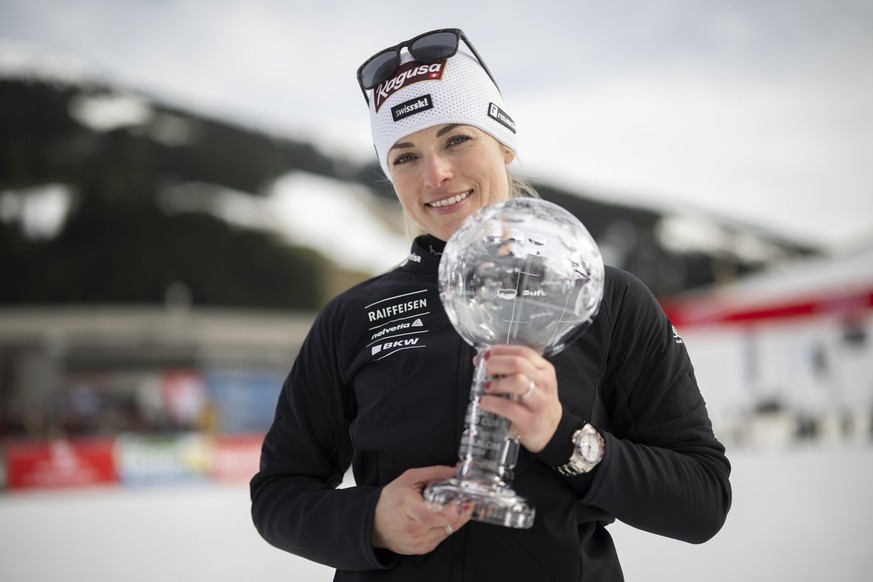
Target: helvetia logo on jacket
[{"x": 398, "y": 324}]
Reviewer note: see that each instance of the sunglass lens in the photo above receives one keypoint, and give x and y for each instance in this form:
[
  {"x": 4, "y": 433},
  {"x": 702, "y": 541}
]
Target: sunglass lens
[
  {"x": 378, "y": 69},
  {"x": 434, "y": 47}
]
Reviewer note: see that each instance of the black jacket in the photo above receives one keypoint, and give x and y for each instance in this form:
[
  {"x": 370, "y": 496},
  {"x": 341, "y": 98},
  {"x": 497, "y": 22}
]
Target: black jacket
[{"x": 382, "y": 382}]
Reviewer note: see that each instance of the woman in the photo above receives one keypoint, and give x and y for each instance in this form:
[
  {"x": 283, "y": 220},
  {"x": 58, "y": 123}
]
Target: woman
[{"x": 613, "y": 427}]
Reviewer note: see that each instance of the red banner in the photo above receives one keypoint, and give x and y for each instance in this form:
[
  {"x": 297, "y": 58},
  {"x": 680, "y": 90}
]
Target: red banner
[
  {"x": 236, "y": 458},
  {"x": 60, "y": 463},
  {"x": 711, "y": 311}
]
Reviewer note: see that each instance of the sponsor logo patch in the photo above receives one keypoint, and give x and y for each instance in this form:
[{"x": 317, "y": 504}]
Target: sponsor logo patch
[
  {"x": 501, "y": 117},
  {"x": 411, "y": 72},
  {"x": 397, "y": 324},
  {"x": 410, "y": 305},
  {"x": 676, "y": 337},
  {"x": 394, "y": 346},
  {"x": 392, "y": 329},
  {"x": 411, "y": 107}
]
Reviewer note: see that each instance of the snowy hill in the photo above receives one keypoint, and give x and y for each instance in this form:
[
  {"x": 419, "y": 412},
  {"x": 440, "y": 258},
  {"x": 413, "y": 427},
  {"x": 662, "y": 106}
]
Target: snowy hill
[{"x": 76, "y": 147}]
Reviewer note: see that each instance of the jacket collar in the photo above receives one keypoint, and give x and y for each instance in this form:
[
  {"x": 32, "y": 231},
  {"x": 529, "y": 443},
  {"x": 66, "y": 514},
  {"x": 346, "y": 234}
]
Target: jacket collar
[{"x": 425, "y": 254}]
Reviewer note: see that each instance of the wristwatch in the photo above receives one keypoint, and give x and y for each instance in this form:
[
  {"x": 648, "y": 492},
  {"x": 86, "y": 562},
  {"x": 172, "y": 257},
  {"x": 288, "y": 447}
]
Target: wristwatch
[{"x": 588, "y": 450}]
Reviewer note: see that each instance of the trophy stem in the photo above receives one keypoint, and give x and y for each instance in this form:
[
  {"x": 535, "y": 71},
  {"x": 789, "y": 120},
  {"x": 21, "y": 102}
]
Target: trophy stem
[{"x": 487, "y": 457}]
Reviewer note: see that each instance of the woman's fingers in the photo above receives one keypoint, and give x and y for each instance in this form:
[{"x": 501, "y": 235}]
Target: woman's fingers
[
  {"x": 404, "y": 524},
  {"x": 531, "y": 383}
]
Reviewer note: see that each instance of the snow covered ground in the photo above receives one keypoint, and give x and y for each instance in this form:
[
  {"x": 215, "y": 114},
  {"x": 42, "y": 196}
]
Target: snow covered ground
[{"x": 803, "y": 514}]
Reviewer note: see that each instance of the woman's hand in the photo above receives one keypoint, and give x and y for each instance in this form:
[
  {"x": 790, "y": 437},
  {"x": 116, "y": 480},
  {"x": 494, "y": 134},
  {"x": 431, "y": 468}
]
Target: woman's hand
[
  {"x": 530, "y": 381},
  {"x": 404, "y": 524}
]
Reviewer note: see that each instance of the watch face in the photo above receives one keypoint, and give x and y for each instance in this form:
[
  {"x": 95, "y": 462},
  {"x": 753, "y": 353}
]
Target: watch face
[{"x": 589, "y": 448}]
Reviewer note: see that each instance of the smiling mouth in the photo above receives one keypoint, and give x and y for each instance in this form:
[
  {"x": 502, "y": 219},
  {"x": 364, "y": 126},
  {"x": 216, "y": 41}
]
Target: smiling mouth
[{"x": 450, "y": 201}]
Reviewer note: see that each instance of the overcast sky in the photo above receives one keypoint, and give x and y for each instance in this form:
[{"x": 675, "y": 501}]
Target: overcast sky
[{"x": 761, "y": 110}]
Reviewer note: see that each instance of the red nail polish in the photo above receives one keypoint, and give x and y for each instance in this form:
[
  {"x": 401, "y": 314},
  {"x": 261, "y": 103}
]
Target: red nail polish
[{"x": 487, "y": 355}]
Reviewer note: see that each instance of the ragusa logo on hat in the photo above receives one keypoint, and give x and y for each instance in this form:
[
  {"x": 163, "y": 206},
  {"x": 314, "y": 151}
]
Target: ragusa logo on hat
[{"x": 407, "y": 74}]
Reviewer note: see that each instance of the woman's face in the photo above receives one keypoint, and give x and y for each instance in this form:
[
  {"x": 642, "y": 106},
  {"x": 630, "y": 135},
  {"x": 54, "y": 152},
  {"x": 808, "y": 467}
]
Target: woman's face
[{"x": 445, "y": 173}]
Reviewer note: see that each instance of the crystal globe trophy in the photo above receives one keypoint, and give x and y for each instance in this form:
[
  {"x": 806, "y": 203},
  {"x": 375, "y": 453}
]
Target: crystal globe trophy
[{"x": 524, "y": 271}]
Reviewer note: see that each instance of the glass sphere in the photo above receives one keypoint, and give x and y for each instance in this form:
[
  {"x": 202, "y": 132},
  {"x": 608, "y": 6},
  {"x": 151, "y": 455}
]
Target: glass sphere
[{"x": 524, "y": 271}]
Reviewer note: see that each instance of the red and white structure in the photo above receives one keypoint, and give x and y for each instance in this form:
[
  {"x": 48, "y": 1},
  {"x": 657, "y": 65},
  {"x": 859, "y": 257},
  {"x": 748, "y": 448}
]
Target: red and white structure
[{"x": 796, "y": 341}]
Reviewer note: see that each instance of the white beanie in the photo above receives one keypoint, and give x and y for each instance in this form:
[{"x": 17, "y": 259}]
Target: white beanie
[{"x": 417, "y": 96}]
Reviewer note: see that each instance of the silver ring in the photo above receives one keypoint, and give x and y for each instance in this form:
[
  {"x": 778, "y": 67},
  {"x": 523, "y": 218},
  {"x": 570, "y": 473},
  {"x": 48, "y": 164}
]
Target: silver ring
[
  {"x": 529, "y": 391},
  {"x": 449, "y": 530}
]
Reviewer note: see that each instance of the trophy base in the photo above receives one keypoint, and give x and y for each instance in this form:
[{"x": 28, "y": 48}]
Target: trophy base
[{"x": 495, "y": 505}]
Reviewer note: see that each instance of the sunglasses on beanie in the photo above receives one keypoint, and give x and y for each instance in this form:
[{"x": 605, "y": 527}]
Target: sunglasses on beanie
[{"x": 427, "y": 48}]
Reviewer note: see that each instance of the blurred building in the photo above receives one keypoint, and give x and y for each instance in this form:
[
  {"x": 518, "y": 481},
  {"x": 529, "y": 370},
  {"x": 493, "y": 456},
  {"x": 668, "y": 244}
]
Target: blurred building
[
  {"x": 787, "y": 353},
  {"x": 68, "y": 372}
]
